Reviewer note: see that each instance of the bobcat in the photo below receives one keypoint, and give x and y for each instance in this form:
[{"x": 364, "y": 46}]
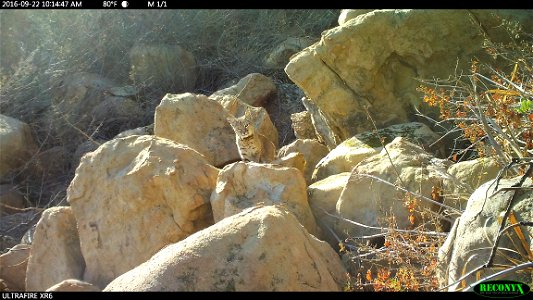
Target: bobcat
[{"x": 252, "y": 145}]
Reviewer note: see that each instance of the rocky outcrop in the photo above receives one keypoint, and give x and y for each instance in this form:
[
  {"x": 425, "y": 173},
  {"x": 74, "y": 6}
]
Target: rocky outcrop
[
  {"x": 254, "y": 89},
  {"x": 350, "y": 152},
  {"x": 242, "y": 185},
  {"x": 198, "y": 122},
  {"x": 312, "y": 150},
  {"x": 16, "y": 144},
  {"x": 73, "y": 285},
  {"x": 13, "y": 266},
  {"x": 292, "y": 160},
  {"x": 372, "y": 61},
  {"x": 472, "y": 237},
  {"x": 259, "y": 249},
  {"x": 151, "y": 192},
  {"x": 55, "y": 253},
  {"x": 368, "y": 200},
  {"x": 166, "y": 67}
]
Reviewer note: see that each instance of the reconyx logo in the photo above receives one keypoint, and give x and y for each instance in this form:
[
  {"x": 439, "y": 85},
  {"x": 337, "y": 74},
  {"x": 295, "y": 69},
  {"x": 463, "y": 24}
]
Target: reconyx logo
[{"x": 501, "y": 289}]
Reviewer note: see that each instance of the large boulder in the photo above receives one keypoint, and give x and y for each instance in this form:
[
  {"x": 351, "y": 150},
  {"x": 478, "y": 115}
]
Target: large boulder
[
  {"x": 13, "y": 266},
  {"x": 369, "y": 201},
  {"x": 165, "y": 67},
  {"x": 312, "y": 150},
  {"x": 135, "y": 195},
  {"x": 242, "y": 185},
  {"x": 353, "y": 150},
  {"x": 259, "y": 249},
  {"x": 472, "y": 237},
  {"x": 55, "y": 253},
  {"x": 16, "y": 144},
  {"x": 198, "y": 122},
  {"x": 373, "y": 61},
  {"x": 254, "y": 89}
]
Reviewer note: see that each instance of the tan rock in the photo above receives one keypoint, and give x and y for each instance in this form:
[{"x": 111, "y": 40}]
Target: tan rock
[
  {"x": 467, "y": 176},
  {"x": 198, "y": 122},
  {"x": 151, "y": 192},
  {"x": 13, "y": 267},
  {"x": 343, "y": 158},
  {"x": 254, "y": 89},
  {"x": 166, "y": 67},
  {"x": 369, "y": 201},
  {"x": 11, "y": 200},
  {"x": 16, "y": 144},
  {"x": 55, "y": 253},
  {"x": 323, "y": 197},
  {"x": 470, "y": 242},
  {"x": 73, "y": 285},
  {"x": 372, "y": 62},
  {"x": 292, "y": 160},
  {"x": 242, "y": 185},
  {"x": 302, "y": 125},
  {"x": 312, "y": 150},
  {"x": 350, "y": 152},
  {"x": 259, "y": 249}
]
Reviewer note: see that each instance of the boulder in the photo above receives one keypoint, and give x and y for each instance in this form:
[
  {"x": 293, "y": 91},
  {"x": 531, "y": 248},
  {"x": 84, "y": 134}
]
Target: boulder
[
  {"x": 11, "y": 200},
  {"x": 254, "y": 89},
  {"x": 83, "y": 104},
  {"x": 343, "y": 158},
  {"x": 55, "y": 252},
  {"x": 16, "y": 144},
  {"x": 370, "y": 64},
  {"x": 164, "y": 67},
  {"x": 466, "y": 177},
  {"x": 281, "y": 54},
  {"x": 13, "y": 267},
  {"x": 470, "y": 242},
  {"x": 259, "y": 249},
  {"x": 198, "y": 122},
  {"x": 312, "y": 150},
  {"x": 242, "y": 185},
  {"x": 323, "y": 196},
  {"x": 350, "y": 152},
  {"x": 292, "y": 160},
  {"x": 370, "y": 201},
  {"x": 150, "y": 192},
  {"x": 303, "y": 126},
  {"x": 73, "y": 285}
]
